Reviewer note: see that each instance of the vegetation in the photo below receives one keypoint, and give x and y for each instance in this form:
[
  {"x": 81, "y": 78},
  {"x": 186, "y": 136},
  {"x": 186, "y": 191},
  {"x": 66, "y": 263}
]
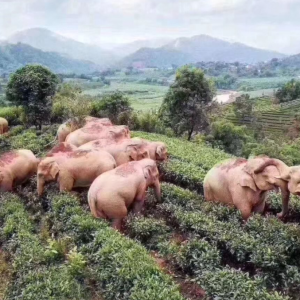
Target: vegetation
[
  {"x": 187, "y": 102},
  {"x": 290, "y": 91},
  {"x": 32, "y": 88}
]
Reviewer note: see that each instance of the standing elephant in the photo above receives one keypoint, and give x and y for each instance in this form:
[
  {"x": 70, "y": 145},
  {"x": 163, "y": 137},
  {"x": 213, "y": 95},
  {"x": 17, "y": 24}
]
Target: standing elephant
[
  {"x": 112, "y": 193},
  {"x": 75, "y": 169},
  {"x": 291, "y": 175},
  {"x": 237, "y": 182},
  {"x": 3, "y": 125},
  {"x": 97, "y": 131},
  {"x": 16, "y": 167}
]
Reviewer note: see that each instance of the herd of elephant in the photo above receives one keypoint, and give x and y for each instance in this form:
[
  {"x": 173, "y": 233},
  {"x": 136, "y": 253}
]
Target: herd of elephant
[
  {"x": 119, "y": 170},
  {"x": 97, "y": 154}
]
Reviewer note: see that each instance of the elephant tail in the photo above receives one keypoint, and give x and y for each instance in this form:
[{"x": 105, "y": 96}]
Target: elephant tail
[
  {"x": 97, "y": 213},
  {"x": 208, "y": 194}
]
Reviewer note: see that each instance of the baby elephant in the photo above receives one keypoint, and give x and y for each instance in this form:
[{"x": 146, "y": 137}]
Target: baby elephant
[
  {"x": 16, "y": 167},
  {"x": 112, "y": 193},
  {"x": 74, "y": 169}
]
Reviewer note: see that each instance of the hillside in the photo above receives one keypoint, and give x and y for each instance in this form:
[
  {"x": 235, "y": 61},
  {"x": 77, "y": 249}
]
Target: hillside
[
  {"x": 14, "y": 56},
  {"x": 47, "y": 40},
  {"x": 200, "y": 48}
]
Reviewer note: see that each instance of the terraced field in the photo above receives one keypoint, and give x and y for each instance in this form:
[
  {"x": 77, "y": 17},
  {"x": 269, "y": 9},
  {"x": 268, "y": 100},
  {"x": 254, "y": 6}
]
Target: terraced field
[{"x": 179, "y": 248}]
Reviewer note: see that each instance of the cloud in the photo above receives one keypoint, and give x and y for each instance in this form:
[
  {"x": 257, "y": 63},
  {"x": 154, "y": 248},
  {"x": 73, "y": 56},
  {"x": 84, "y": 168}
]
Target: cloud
[{"x": 272, "y": 24}]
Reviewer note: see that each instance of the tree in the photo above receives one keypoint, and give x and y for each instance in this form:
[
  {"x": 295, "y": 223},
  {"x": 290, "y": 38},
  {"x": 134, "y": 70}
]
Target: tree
[
  {"x": 290, "y": 91},
  {"x": 32, "y": 87},
  {"x": 112, "y": 106},
  {"x": 243, "y": 107},
  {"x": 188, "y": 101}
]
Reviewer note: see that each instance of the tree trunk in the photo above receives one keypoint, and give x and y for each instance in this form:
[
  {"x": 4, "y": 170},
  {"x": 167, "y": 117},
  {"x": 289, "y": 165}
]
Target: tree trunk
[{"x": 190, "y": 133}]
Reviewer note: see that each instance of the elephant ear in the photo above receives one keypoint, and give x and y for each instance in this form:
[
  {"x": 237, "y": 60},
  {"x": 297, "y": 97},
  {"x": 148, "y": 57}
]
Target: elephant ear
[
  {"x": 133, "y": 152},
  {"x": 159, "y": 150},
  {"x": 147, "y": 172},
  {"x": 54, "y": 169},
  {"x": 247, "y": 181},
  {"x": 145, "y": 153}
]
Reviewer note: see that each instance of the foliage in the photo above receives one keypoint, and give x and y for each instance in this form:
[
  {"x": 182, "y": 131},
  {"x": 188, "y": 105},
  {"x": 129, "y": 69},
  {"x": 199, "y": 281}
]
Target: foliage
[
  {"x": 112, "y": 107},
  {"x": 290, "y": 91},
  {"x": 227, "y": 136},
  {"x": 12, "y": 114},
  {"x": 69, "y": 102},
  {"x": 225, "y": 82},
  {"x": 32, "y": 88},
  {"x": 188, "y": 101}
]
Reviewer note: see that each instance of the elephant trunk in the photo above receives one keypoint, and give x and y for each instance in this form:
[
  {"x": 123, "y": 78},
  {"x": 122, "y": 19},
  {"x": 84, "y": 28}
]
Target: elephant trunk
[
  {"x": 280, "y": 165},
  {"x": 40, "y": 185},
  {"x": 157, "y": 190}
]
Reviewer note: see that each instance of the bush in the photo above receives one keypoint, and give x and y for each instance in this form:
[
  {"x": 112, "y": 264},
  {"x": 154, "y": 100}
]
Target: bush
[
  {"x": 111, "y": 106},
  {"x": 121, "y": 268},
  {"x": 12, "y": 114}
]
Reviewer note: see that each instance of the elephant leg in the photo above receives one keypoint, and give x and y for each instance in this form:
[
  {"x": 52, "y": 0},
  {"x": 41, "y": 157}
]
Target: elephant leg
[
  {"x": 6, "y": 185},
  {"x": 66, "y": 183},
  {"x": 246, "y": 210},
  {"x": 117, "y": 224},
  {"x": 138, "y": 206}
]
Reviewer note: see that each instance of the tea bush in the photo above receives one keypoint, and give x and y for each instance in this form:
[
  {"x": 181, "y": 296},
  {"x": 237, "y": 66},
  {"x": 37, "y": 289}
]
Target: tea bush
[
  {"x": 37, "y": 273},
  {"x": 121, "y": 268}
]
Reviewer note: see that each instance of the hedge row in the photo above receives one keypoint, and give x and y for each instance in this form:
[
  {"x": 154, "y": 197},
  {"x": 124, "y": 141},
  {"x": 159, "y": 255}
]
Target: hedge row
[
  {"x": 121, "y": 268},
  {"x": 198, "y": 258},
  {"x": 266, "y": 244},
  {"x": 39, "y": 271},
  {"x": 197, "y": 154}
]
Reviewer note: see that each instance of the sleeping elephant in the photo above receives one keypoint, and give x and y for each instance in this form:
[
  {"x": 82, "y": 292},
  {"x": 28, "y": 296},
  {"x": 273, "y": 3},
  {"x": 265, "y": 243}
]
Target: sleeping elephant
[
  {"x": 112, "y": 193},
  {"x": 97, "y": 131},
  {"x": 16, "y": 167},
  {"x": 237, "y": 182},
  {"x": 3, "y": 125},
  {"x": 76, "y": 169}
]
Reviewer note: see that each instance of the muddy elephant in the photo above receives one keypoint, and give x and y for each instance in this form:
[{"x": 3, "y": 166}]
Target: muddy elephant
[
  {"x": 291, "y": 175},
  {"x": 237, "y": 182},
  {"x": 3, "y": 125},
  {"x": 76, "y": 169},
  {"x": 122, "y": 153},
  {"x": 157, "y": 150},
  {"x": 76, "y": 123},
  {"x": 113, "y": 192},
  {"x": 97, "y": 131},
  {"x": 61, "y": 148},
  {"x": 16, "y": 167}
]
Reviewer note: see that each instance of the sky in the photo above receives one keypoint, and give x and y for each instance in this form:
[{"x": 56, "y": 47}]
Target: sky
[{"x": 267, "y": 24}]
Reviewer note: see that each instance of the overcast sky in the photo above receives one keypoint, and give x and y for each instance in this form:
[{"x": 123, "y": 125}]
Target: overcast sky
[{"x": 269, "y": 24}]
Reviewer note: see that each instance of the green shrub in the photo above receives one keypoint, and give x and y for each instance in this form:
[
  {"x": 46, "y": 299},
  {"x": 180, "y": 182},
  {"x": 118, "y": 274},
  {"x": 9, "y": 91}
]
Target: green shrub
[
  {"x": 120, "y": 267},
  {"x": 12, "y": 114}
]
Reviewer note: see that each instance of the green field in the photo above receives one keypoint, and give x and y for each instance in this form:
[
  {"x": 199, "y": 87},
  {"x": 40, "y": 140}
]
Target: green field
[{"x": 142, "y": 96}]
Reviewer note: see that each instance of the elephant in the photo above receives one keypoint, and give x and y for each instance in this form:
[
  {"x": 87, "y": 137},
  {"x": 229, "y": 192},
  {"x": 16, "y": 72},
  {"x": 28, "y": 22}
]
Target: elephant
[
  {"x": 3, "y": 125},
  {"x": 97, "y": 131},
  {"x": 114, "y": 192},
  {"x": 157, "y": 150},
  {"x": 120, "y": 152},
  {"x": 291, "y": 175},
  {"x": 61, "y": 148},
  {"x": 76, "y": 123},
  {"x": 16, "y": 167},
  {"x": 75, "y": 169},
  {"x": 237, "y": 183}
]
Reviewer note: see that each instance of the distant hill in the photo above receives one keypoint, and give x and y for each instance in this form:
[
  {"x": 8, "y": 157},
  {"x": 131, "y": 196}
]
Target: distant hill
[
  {"x": 47, "y": 40},
  {"x": 199, "y": 48},
  {"x": 129, "y": 48},
  {"x": 14, "y": 56}
]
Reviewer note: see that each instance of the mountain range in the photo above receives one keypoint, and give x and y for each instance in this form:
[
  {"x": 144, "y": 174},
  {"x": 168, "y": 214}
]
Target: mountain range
[
  {"x": 64, "y": 54},
  {"x": 14, "y": 56}
]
